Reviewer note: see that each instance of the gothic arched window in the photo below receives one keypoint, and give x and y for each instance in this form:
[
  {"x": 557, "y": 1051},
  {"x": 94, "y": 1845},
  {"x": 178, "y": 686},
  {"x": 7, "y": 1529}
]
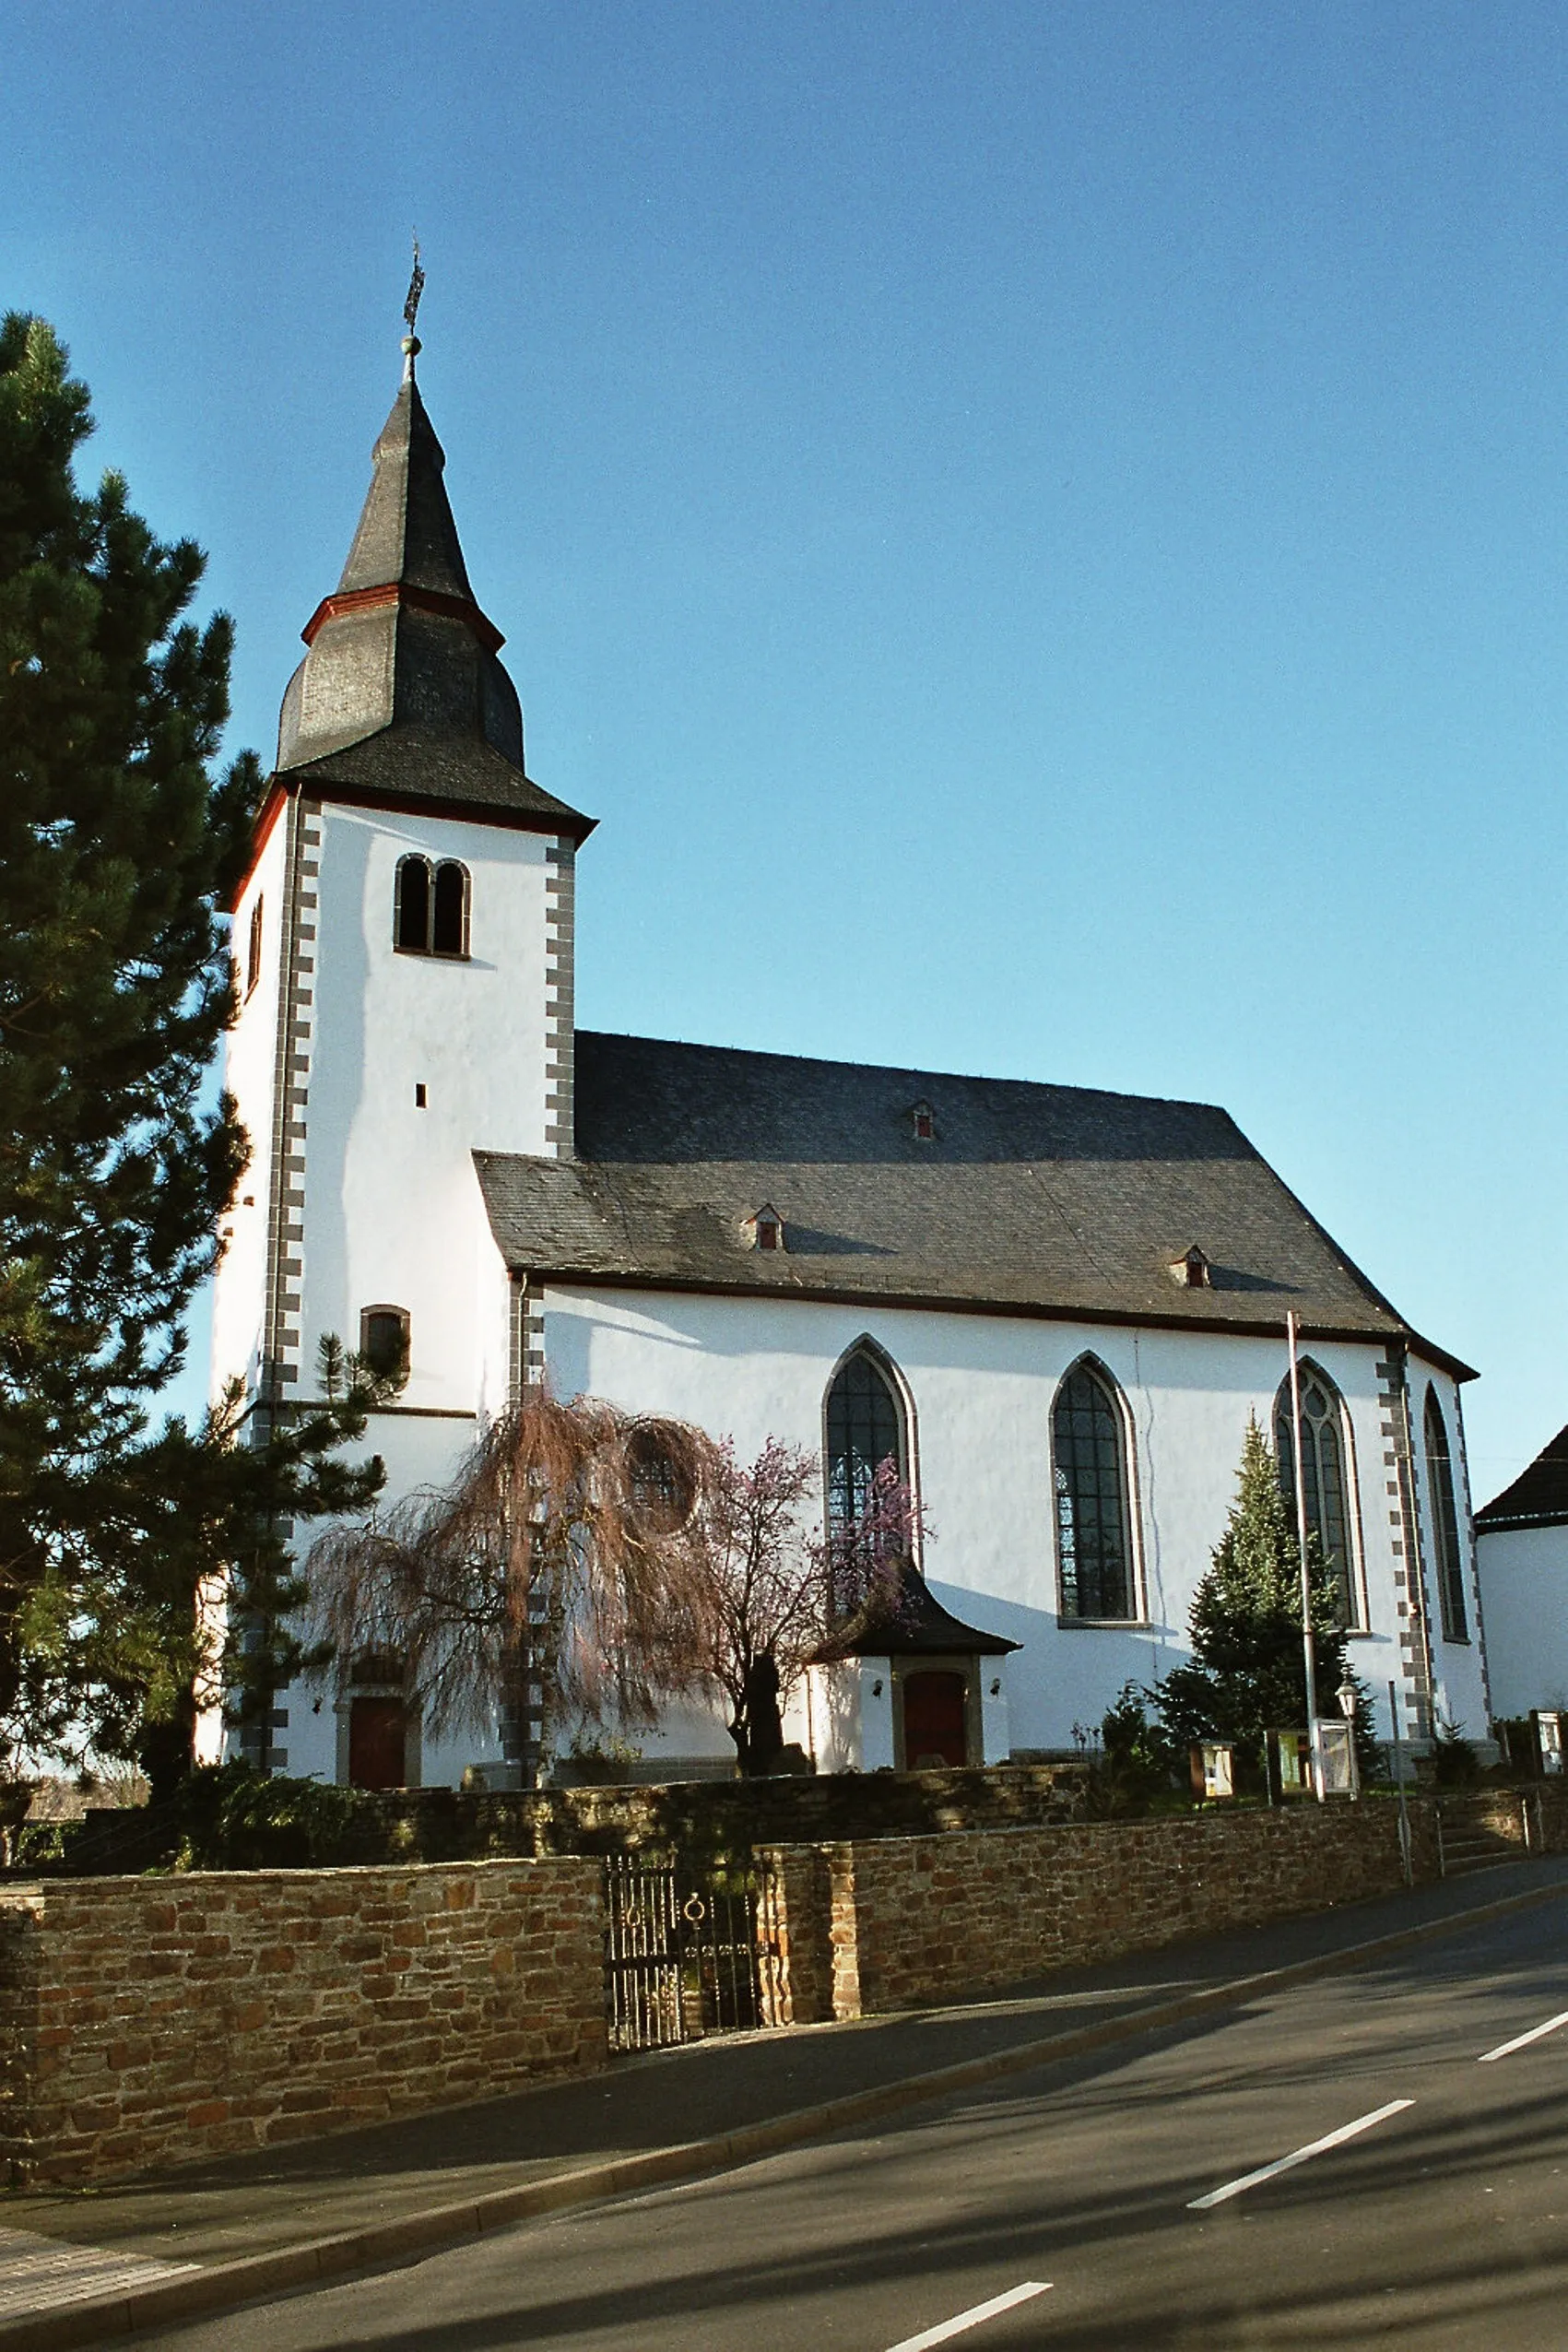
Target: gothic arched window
[
  {"x": 430, "y": 907},
  {"x": 1444, "y": 1521},
  {"x": 1324, "y": 1451},
  {"x": 1089, "y": 1454},
  {"x": 865, "y": 1428}
]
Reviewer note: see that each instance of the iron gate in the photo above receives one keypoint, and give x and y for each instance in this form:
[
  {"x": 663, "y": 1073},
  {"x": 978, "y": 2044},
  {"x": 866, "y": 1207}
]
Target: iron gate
[{"x": 681, "y": 1953}]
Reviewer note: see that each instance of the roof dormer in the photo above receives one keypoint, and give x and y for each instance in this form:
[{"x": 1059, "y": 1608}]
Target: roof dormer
[
  {"x": 764, "y": 1228},
  {"x": 1193, "y": 1269}
]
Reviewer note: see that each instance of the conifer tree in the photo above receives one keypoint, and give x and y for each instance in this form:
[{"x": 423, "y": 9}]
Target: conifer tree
[
  {"x": 1246, "y": 1677},
  {"x": 119, "y": 842}
]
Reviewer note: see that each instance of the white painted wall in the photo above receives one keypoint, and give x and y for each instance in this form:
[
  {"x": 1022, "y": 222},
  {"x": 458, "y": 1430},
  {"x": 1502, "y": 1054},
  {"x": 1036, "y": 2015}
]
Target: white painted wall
[
  {"x": 982, "y": 1387},
  {"x": 393, "y": 1214},
  {"x": 1524, "y": 1586},
  {"x": 250, "y": 1069}
]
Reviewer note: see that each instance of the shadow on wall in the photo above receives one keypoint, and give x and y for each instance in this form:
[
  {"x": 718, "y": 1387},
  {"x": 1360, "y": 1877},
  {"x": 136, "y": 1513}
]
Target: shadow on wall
[{"x": 1062, "y": 1674}]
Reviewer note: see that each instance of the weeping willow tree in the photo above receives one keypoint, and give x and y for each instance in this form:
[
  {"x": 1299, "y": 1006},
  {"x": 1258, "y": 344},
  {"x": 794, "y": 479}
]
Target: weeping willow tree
[{"x": 556, "y": 1579}]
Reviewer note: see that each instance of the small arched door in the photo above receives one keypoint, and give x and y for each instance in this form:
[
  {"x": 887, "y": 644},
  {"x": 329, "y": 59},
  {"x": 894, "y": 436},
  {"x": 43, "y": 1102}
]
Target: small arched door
[{"x": 935, "y": 1729}]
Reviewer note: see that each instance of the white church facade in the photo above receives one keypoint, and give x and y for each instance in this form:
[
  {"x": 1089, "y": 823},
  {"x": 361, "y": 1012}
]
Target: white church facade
[{"x": 1056, "y": 1307}]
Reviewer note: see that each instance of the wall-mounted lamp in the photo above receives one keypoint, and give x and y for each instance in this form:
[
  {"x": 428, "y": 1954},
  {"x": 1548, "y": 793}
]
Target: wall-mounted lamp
[
  {"x": 876, "y": 1687},
  {"x": 996, "y": 1687}
]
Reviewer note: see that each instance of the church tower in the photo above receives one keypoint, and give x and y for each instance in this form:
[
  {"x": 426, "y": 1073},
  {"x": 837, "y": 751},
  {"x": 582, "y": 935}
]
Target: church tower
[{"x": 404, "y": 940}]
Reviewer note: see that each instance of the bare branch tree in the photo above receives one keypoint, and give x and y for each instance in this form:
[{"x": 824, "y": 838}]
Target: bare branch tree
[
  {"x": 554, "y": 1578},
  {"x": 773, "y": 1592}
]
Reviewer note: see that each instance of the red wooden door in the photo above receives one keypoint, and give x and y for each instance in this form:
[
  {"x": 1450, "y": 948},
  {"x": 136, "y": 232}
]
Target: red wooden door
[
  {"x": 378, "y": 1733},
  {"x": 934, "y": 1719}
]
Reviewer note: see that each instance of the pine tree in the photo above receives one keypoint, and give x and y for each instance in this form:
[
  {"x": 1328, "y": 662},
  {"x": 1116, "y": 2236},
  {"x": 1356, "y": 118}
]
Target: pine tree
[
  {"x": 119, "y": 842},
  {"x": 1247, "y": 1676}
]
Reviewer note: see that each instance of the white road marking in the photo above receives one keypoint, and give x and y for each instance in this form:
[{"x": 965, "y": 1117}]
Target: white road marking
[
  {"x": 975, "y": 2317},
  {"x": 1505, "y": 2049},
  {"x": 1298, "y": 2156}
]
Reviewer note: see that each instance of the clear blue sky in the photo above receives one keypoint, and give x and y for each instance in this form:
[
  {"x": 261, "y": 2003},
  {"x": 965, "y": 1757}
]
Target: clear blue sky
[{"x": 1039, "y": 529}]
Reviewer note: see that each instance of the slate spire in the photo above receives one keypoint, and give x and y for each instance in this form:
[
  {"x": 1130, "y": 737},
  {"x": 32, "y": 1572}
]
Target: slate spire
[{"x": 401, "y": 691}]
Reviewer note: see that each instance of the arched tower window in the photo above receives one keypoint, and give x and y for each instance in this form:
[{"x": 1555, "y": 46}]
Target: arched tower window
[
  {"x": 1093, "y": 1496},
  {"x": 383, "y": 1341},
  {"x": 865, "y": 1428},
  {"x": 430, "y": 907},
  {"x": 253, "y": 946},
  {"x": 1325, "y": 1452},
  {"x": 1444, "y": 1521}
]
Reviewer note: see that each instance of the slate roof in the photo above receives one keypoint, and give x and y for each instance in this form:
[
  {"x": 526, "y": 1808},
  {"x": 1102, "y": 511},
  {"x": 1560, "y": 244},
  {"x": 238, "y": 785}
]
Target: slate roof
[
  {"x": 909, "y": 1623},
  {"x": 401, "y": 696},
  {"x": 1057, "y": 1201},
  {"x": 1538, "y": 1497}
]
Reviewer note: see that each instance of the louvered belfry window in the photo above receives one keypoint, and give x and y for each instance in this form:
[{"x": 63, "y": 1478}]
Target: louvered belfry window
[
  {"x": 1445, "y": 1522},
  {"x": 431, "y": 915},
  {"x": 1093, "y": 1522}
]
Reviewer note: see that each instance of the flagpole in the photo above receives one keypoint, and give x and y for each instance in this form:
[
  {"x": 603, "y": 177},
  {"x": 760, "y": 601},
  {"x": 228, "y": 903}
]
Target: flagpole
[{"x": 1309, "y": 1649}]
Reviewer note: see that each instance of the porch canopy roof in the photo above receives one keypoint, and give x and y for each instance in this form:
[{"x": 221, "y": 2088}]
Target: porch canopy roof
[{"x": 909, "y": 1622}]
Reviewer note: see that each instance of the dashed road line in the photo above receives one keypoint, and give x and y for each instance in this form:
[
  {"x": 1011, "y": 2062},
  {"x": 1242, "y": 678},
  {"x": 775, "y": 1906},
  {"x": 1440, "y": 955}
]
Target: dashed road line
[
  {"x": 1298, "y": 2156},
  {"x": 976, "y": 2316},
  {"x": 1521, "y": 2041}
]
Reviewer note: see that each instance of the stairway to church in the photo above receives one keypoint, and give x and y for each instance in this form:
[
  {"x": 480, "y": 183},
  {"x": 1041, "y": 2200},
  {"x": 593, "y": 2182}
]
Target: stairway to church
[{"x": 1469, "y": 1838}]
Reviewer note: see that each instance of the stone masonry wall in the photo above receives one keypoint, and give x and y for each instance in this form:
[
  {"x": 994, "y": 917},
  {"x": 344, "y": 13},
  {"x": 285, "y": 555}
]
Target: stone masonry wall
[
  {"x": 899, "y": 1922},
  {"x": 148, "y": 2022}
]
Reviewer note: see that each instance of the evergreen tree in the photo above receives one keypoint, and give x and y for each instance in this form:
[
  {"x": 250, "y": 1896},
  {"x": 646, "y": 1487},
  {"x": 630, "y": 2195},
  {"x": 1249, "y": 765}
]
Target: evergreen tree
[
  {"x": 118, "y": 845},
  {"x": 1247, "y": 1674}
]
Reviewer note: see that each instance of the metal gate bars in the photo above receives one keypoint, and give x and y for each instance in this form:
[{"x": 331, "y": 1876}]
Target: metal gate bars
[{"x": 681, "y": 1953}]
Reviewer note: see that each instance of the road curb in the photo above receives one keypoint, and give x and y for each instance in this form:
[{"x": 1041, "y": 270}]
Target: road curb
[{"x": 226, "y": 2285}]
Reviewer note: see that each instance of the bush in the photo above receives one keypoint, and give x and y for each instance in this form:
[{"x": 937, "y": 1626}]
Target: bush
[
  {"x": 232, "y": 1816},
  {"x": 1138, "y": 1763},
  {"x": 1455, "y": 1763}
]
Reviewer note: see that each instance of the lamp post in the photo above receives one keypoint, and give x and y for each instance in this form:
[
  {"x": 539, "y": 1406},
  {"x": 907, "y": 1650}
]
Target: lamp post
[
  {"x": 1309, "y": 1651},
  {"x": 1348, "y": 1696}
]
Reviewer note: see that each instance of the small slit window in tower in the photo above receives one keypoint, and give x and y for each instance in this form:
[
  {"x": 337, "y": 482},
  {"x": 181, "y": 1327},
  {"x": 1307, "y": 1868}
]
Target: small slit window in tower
[
  {"x": 766, "y": 1229},
  {"x": 923, "y": 1119},
  {"x": 253, "y": 948},
  {"x": 1193, "y": 1269}
]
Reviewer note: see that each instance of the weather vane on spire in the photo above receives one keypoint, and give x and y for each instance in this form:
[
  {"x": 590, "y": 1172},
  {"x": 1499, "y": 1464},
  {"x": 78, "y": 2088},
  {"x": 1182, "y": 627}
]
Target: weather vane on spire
[{"x": 411, "y": 311}]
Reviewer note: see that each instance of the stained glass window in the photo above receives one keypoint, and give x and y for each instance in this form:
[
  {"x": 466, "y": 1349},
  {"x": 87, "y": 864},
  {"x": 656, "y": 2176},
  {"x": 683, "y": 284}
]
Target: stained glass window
[
  {"x": 1444, "y": 1521},
  {"x": 1092, "y": 1519},
  {"x": 865, "y": 1429},
  {"x": 1328, "y": 1484}
]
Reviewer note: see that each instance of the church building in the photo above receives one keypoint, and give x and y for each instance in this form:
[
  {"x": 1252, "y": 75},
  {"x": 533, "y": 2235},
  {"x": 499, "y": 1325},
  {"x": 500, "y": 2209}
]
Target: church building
[{"x": 1055, "y": 1308}]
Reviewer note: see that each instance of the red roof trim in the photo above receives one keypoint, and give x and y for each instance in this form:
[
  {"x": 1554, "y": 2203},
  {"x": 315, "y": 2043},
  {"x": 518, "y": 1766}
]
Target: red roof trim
[{"x": 351, "y": 600}]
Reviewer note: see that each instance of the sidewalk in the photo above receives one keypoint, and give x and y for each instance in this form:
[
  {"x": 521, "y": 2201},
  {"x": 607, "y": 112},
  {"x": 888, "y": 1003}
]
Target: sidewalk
[{"x": 92, "y": 2263}]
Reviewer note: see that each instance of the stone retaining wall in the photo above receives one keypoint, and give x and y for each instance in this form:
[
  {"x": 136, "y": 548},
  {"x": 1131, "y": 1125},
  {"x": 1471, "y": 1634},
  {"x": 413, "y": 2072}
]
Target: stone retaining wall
[
  {"x": 900, "y": 1922},
  {"x": 148, "y": 2022}
]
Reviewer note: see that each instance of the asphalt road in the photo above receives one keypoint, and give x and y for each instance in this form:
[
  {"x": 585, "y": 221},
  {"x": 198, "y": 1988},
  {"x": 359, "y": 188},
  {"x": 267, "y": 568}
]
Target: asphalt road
[{"x": 1107, "y": 2204}]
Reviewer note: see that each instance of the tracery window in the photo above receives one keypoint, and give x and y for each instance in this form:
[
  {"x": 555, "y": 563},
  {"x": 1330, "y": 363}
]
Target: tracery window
[
  {"x": 865, "y": 1428},
  {"x": 1327, "y": 1481},
  {"x": 1092, "y": 1493},
  {"x": 1444, "y": 1521},
  {"x": 661, "y": 1486},
  {"x": 431, "y": 910}
]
